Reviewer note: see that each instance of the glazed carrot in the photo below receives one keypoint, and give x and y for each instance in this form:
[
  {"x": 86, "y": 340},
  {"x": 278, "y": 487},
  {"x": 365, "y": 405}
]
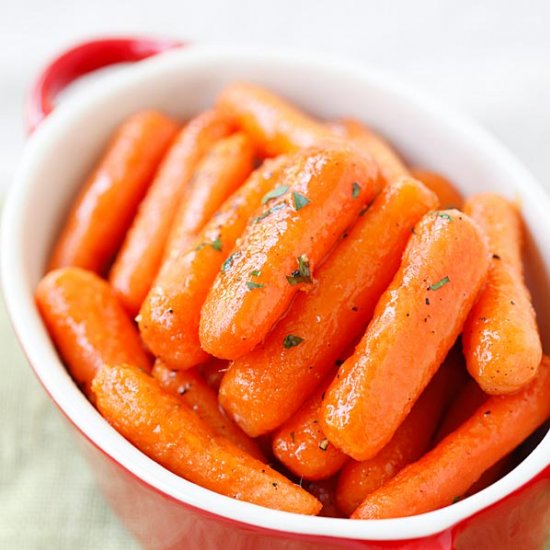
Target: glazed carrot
[
  {"x": 218, "y": 175},
  {"x": 105, "y": 207},
  {"x": 213, "y": 371},
  {"x": 275, "y": 126},
  {"x": 301, "y": 445},
  {"x": 199, "y": 397},
  {"x": 265, "y": 387},
  {"x": 415, "y": 323},
  {"x": 140, "y": 257},
  {"x": 164, "y": 428},
  {"x": 301, "y": 220},
  {"x": 391, "y": 165},
  {"x": 448, "y": 194},
  {"x": 410, "y": 441},
  {"x": 169, "y": 317},
  {"x": 324, "y": 490},
  {"x": 448, "y": 470},
  {"x": 501, "y": 341},
  {"x": 87, "y": 324}
]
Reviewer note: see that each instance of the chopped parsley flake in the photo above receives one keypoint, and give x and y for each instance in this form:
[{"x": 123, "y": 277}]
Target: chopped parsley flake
[
  {"x": 439, "y": 284},
  {"x": 274, "y": 193},
  {"x": 302, "y": 274},
  {"x": 445, "y": 216},
  {"x": 256, "y": 273},
  {"x": 355, "y": 190},
  {"x": 269, "y": 211},
  {"x": 229, "y": 261},
  {"x": 299, "y": 200},
  {"x": 215, "y": 244},
  {"x": 251, "y": 285},
  {"x": 292, "y": 341}
]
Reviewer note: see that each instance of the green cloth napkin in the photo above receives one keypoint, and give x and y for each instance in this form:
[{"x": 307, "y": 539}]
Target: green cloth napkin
[{"x": 48, "y": 498}]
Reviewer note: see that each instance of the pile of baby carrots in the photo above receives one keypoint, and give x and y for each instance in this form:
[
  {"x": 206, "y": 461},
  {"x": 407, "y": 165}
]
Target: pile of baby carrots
[{"x": 282, "y": 311}]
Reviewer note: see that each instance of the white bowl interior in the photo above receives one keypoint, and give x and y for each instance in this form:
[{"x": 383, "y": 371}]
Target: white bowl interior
[{"x": 181, "y": 83}]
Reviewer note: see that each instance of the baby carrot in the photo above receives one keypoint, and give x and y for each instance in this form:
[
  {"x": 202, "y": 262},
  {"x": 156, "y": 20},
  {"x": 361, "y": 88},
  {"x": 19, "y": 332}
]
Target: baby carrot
[
  {"x": 105, "y": 207},
  {"x": 169, "y": 317},
  {"x": 415, "y": 323},
  {"x": 410, "y": 441},
  {"x": 391, "y": 165},
  {"x": 449, "y": 196},
  {"x": 301, "y": 445},
  {"x": 265, "y": 387},
  {"x": 501, "y": 341},
  {"x": 448, "y": 470},
  {"x": 140, "y": 257},
  {"x": 164, "y": 428},
  {"x": 87, "y": 324},
  {"x": 221, "y": 172},
  {"x": 303, "y": 217},
  {"x": 275, "y": 126},
  {"x": 199, "y": 397}
]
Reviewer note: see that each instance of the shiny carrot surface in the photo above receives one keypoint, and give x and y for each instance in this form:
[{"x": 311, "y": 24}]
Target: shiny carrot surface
[
  {"x": 448, "y": 194},
  {"x": 104, "y": 208}
]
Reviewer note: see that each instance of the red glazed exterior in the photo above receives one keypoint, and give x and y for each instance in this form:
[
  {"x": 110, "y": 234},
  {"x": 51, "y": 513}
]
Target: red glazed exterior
[{"x": 158, "y": 521}]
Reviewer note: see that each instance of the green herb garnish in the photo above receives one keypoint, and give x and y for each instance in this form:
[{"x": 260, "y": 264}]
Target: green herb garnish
[
  {"x": 251, "y": 285},
  {"x": 215, "y": 244},
  {"x": 229, "y": 261},
  {"x": 439, "y": 284},
  {"x": 302, "y": 274},
  {"x": 274, "y": 193},
  {"x": 355, "y": 190},
  {"x": 323, "y": 445},
  {"x": 269, "y": 211},
  {"x": 445, "y": 216},
  {"x": 299, "y": 200},
  {"x": 291, "y": 341},
  {"x": 256, "y": 273}
]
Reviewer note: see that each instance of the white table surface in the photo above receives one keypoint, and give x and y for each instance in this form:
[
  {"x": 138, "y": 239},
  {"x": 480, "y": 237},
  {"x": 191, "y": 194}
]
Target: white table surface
[{"x": 490, "y": 58}]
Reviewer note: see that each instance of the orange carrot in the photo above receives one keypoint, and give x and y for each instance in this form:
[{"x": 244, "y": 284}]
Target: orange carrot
[
  {"x": 164, "y": 428},
  {"x": 447, "y": 471},
  {"x": 218, "y": 175},
  {"x": 303, "y": 217},
  {"x": 140, "y": 256},
  {"x": 265, "y": 387},
  {"x": 501, "y": 341},
  {"x": 416, "y": 321},
  {"x": 213, "y": 371},
  {"x": 199, "y": 397},
  {"x": 274, "y": 125},
  {"x": 169, "y": 317},
  {"x": 105, "y": 207},
  {"x": 409, "y": 442},
  {"x": 87, "y": 324},
  {"x": 391, "y": 165},
  {"x": 301, "y": 445},
  {"x": 449, "y": 196}
]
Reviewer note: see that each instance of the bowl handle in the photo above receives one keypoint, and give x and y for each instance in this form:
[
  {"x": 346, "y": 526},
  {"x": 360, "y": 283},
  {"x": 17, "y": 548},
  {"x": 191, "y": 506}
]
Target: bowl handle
[{"x": 82, "y": 59}]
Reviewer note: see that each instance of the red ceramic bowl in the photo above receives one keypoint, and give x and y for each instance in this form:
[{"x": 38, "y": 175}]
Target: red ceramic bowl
[{"x": 161, "y": 509}]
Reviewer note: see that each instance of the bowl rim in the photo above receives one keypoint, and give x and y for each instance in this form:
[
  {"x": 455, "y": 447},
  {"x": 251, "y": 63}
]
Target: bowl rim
[{"x": 60, "y": 387}]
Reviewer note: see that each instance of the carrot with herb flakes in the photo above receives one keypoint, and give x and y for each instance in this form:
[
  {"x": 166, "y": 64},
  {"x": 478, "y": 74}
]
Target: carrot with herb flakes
[
  {"x": 416, "y": 322},
  {"x": 169, "y": 316},
  {"x": 301, "y": 445},
  {"x": 448, "y": 470},
  {"x": 105, "y": 206},
  {"x": 276, "y": 126},
  {"x": 410, "y": 441},
  {"x": 141, "y": 254},
  {"x": 199, "y": 397},
  {"x": 501, "y": 340},
  {"x": 392, "y": 167},
  {"x": 87, "y": 324},
  {"x": 220, "y": 173},
  {"x": 164, "y": 428},
  {"x": 262, "y": 389},
  {"x": 319, "y": 196},
  {"x": 448, "y": 194}
]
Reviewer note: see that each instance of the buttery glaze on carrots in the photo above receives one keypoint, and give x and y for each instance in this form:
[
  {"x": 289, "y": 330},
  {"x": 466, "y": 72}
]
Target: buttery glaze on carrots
[{"x": 296, "y": 284}]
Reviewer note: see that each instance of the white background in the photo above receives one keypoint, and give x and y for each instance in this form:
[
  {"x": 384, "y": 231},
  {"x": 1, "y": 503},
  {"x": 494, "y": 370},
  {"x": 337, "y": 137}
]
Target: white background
[{"x": 489, "y": 57}]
